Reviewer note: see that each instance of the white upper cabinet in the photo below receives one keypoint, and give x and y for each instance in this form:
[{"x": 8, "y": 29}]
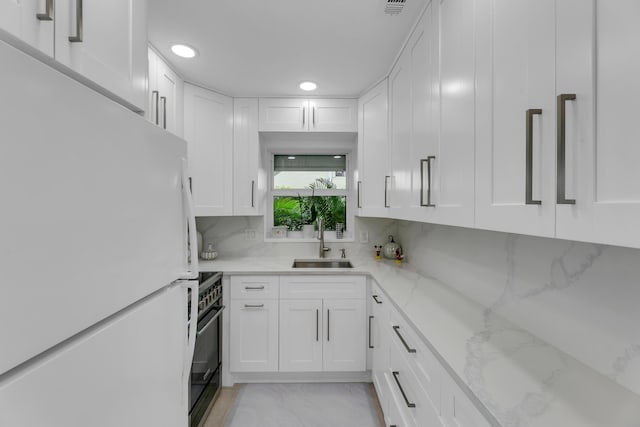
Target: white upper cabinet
[
  {"x": 248, "y": 178},
  {"x": 598, "y": 63},
  {"x": 105, "y": 41},
  {"x": 303, "y": 115},
  {"x": 516, "y": 122},
  {"x": 30, "y": 21},
  {"x": 208, "y": 129},
  {"x": 373, "y": 152},
  {"x": 399, "y": 183},
  {"x": 422, "y": 51},
  {"x": 333, "y": 115},
  {"x": 166, "y": 96},
  {"x": 453, "y": 167}
]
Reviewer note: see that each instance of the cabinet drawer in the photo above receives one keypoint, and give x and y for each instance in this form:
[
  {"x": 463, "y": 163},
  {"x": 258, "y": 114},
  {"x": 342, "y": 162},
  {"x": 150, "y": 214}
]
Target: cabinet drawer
[
  {"x": 407, "y": 394},
  {"x": 252, "y": 287},
  {"x": 310, "y": 287},
  {"x": 418, "y": 356}
]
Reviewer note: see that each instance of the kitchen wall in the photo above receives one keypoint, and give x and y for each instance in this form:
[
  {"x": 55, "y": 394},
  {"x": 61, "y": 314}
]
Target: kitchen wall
[
  {"x": 228, "y": 236},
  {"x": 582, "y": 298}
]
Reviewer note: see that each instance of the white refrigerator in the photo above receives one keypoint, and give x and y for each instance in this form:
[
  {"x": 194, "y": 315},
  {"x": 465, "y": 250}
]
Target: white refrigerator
[{"x": 95, "y": 221}]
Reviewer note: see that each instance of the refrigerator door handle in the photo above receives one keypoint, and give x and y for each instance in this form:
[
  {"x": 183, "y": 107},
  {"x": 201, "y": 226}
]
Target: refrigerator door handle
[
  {"x": 191, "y": 285},
  {"x": 190, "y": 261}
]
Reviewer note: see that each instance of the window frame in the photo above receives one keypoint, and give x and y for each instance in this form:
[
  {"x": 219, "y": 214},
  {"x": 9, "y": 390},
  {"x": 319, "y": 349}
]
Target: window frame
[{"x": 330, "y": 236}]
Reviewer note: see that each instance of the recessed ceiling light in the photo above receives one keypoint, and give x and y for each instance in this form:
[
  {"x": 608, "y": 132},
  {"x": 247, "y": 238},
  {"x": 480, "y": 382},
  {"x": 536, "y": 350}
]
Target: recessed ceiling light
[
  {"x": 308, "y": 86},
  {"x": 337, "y": 157},
  {"x": 291, "y": 157},
  {"x": 183, "y": 51}
]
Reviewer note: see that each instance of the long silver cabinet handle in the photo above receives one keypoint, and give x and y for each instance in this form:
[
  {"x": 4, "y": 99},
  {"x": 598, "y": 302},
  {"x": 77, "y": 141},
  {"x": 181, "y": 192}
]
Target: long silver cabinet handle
[
  {"x": 253, "y": 188},
  {"x": 47, "y": 15},
  {"x": 254, "y": 288},
  {"x": 561, "y": 196},
  {"x": 428, "y": 163},
  {"x": 409, "y": 349},
  {"x": 304, "y": 115},
  {"x": 317, "y": 324},
  {"x": 79, "y": 25},
  {"x": 156, "y": 100},
  {"x": 396, "y": 374},
  {"x": 314, "y": 116},
  {"x": 253, "y": 305},
  {"x": 328, "y": 324},
  {"x": 370, "y": 319},
  {"x": 164, "y": 111},
  {"x": 529, "y": 158},
  {"x": 358, "y": 195},
  {"x": 386, "y": 185}
]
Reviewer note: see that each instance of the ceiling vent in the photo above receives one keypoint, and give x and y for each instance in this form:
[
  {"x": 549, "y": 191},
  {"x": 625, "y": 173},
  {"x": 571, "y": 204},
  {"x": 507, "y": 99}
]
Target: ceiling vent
[{"x": 394, "y": 7}]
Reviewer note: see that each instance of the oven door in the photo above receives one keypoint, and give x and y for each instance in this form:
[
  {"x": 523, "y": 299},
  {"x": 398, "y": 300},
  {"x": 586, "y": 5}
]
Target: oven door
[{"x": 205, "y": 370}]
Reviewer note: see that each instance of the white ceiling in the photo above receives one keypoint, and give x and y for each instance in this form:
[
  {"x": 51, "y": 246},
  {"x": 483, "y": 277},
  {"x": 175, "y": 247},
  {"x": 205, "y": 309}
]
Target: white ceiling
[{"x": 267, "y": 47}]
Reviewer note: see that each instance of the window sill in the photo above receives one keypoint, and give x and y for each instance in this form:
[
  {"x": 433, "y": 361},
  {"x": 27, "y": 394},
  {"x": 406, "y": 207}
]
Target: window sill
[{"x": 348, "y": 239}]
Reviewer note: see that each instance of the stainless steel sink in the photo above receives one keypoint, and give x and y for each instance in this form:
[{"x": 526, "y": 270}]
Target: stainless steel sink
[{"x": 321, "y": 263}]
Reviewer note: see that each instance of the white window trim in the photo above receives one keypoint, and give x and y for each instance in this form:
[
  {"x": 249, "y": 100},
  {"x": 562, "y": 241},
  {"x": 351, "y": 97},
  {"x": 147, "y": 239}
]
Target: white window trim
[{"x": 330, "y": 236}]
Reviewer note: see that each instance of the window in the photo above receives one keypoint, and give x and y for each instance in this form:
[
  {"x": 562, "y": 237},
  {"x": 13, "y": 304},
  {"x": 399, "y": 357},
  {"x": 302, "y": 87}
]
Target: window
[{"x": 306, "y": 187}]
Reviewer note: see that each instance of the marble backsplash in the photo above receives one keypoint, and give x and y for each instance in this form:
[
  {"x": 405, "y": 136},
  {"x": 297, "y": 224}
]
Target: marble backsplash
[
  {"x": 228, "y": 237},
  {"x": 581, "y": 298}
]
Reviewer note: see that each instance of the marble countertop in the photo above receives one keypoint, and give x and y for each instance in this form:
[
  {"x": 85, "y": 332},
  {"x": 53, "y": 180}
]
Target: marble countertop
[{"x": 519, "y": 379}]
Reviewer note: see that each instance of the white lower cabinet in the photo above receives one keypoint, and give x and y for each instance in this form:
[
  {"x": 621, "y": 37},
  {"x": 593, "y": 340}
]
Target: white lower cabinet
[
  {"x": 301, "y": 335},
  {"x": 345, "y": 347},
  {"x": 457, "y": 409},
  {"x": 413, "y": 387},
  {"x": 253, "y": 323},
  {"x": 253, "y": 336},
  {"x": 297, "y": 324}
]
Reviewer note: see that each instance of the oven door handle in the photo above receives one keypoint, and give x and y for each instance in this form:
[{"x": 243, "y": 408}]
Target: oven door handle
[{"x": 204, "y": 328}]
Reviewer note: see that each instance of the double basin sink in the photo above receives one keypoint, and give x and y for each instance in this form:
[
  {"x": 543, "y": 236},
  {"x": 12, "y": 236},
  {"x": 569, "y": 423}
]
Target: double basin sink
[{"x": 321, "y": 263}]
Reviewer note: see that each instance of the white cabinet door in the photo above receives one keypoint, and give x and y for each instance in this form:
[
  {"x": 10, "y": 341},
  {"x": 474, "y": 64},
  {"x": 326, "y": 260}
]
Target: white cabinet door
[
  {"x": 284, "y": 114},
  {"x": 422, "y": 50},
  {"x": 333, "y": 115},
  {"x": 598, "y": 63},
  {"x": 457, "y": 409},
  {"x": 253, "y": 337},
  {"x": 171, "y": 96},
  {"x": 453, "y": 167},
  {"x": 379, "y": 344},
  {"x": 29, "y": 21},
  {"x": 209, "y": 133},
  {"x": 248, "y": 187},
  {"x": 373, "y": 154},
  {"x": 108, "y": 44},
  {"x": 399, "y": 185},
  {"x": 344, "y": 335},
  {"x": 301, "y": 335},
  {"x": 516, "y": 109}
]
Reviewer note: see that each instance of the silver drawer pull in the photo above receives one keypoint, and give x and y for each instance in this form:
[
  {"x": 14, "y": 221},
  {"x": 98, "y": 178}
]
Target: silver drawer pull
[
  {"x": 253, "y": 305},
  {"x": 396, "y": 374},
  {"x": 409, "y": 349},
  {"x": 254, "y": 288}
]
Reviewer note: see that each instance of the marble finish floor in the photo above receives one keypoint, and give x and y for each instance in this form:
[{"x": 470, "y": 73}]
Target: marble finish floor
[{"x": 301, "y": 405}]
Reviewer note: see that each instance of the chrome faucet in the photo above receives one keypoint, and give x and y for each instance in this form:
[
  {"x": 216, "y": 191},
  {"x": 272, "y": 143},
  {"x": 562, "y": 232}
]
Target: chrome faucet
[{"x": 323, "y": 248}]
